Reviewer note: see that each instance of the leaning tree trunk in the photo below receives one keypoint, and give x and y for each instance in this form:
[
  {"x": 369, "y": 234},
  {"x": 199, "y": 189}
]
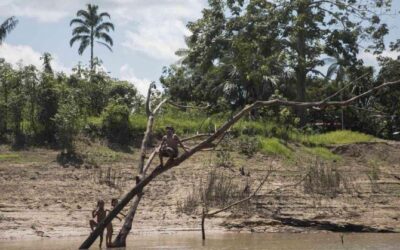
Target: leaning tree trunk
[
  {"x": 207, "y": 143},
  {"x": 120, "y": 240}
]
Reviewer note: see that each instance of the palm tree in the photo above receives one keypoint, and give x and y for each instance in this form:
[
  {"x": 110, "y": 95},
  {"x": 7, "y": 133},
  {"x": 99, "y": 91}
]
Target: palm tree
[
  {"x": 90, "y": 26},
  {"x": 6, "y": 27}
]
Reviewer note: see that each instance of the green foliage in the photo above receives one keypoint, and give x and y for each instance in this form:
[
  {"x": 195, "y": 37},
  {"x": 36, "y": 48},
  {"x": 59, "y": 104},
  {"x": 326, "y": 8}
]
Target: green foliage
[
  {"x": 6, "y": 157},
  {"x": 242, "y": 51},
  {"x": 322, "y": 153},
  {"x": 275, "y": 147},
  {"x": 69, "y": 122},
  {"x": 248, "y": 145},
  {"x": 115, "y": 119},
  {"x": 223, "y": 155},
  {"x": 337, "y": 137}
]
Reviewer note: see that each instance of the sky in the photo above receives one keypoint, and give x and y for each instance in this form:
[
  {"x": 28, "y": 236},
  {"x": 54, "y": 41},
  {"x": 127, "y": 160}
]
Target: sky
[{"x": 147, "y": 33}]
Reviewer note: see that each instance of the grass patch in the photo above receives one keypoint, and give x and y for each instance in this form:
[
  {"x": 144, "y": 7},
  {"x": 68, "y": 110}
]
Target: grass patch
[
  {"x": 322, "y": 153},
  {"x": 101, "y": 154},
  {"x": 275, "y": 147},
  {"x": 337, "y": 137},
  {"x": 9, "y": 157}
]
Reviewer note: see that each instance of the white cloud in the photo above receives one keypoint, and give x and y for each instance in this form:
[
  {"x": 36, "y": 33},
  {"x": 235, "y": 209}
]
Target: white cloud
[
  {"x": 371, "y": 60},
  {"x": 142, "y": 84},
  {"x": 160, "y": 27},
  {"x": 26, "y": 55},
  {"x": 41, "y": 10},
  {"x": 158, "y": 41}
]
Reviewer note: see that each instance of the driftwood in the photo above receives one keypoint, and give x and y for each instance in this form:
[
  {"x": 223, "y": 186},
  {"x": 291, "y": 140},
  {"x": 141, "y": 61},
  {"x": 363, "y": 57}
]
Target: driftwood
[{"x": 206, "y": 143}]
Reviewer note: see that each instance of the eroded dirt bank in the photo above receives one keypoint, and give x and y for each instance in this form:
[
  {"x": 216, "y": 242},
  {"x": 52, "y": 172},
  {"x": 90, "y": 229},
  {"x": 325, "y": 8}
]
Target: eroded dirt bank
[{"x": 40, "y": 198}]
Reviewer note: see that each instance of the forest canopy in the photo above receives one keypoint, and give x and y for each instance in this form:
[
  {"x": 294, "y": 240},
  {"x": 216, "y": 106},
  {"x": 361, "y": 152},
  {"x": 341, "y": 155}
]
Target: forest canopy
[{"x": 238, "y": 52}]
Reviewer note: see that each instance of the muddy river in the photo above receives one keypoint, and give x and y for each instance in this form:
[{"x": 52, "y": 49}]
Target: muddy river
[{"x": 220, "y": 241}]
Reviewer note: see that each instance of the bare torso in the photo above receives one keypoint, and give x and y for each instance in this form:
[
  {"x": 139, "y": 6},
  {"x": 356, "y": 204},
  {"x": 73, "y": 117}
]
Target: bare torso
[{"x": 171, "y": 141}]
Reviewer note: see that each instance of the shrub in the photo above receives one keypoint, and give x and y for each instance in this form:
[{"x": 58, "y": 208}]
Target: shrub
[
  {"x": 224, "y": 158},
  {"x": 248, "y": 145},
  {"x": 221, "y": 190},
  {"x": 116, "y": 124},
  {"x": 69, "y": 123},
  {"x": 323, "y": 180}
]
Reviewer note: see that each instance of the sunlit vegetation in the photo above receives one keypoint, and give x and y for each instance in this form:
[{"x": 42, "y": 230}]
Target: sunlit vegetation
[{"x": 228, "y": 63}]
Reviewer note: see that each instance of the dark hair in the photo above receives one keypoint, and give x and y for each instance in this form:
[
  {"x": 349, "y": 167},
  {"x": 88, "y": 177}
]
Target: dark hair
[{"x": 170, "y": 127}]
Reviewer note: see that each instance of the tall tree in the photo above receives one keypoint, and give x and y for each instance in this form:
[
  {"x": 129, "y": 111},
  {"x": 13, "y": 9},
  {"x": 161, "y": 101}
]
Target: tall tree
[
  {"x": 47, "y": 58},
  {"x": 6, "y": 27},
  {"x": 89, "y": 26},
  {"x": 341, "y": 72},
  {"x": 246, "y": 43}
]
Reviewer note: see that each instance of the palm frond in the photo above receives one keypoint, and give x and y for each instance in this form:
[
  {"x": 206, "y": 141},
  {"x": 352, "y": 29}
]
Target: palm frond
[
  {"x": 78, "y": 38},
  {"x": 104, "y": 44},
  {"x": 84, "y": 44},
  {"x": 80, "y": 30},
  {"x": 105, "y": 26},
  {"x": 105, "y": 37},
  {"x": 333, "y": 68},
  {"x": 8, "y": 25},
  {"x": 104, "y": 14},
  {"x": 83, "y": 13},
  {"x": 77, "y": 21}
]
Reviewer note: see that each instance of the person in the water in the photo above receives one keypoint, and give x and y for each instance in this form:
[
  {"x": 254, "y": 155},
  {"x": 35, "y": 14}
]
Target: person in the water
[{"x": 169, "y": 145}]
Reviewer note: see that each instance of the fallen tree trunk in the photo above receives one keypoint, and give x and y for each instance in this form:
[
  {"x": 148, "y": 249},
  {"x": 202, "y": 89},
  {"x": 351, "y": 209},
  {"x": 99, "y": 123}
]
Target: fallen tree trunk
[{"x": 208, "y": 143}]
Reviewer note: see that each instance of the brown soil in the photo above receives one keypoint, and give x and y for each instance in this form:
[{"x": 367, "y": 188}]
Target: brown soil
[{"x": 40, "y": 198}]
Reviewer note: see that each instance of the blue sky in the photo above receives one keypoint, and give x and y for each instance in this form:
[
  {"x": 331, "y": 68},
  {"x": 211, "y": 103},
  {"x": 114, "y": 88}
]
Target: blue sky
[{"x": 146, "y": 36}]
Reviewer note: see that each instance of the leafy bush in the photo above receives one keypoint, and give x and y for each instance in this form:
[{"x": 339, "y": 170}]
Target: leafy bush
[
  {"x": 224, "y": 158},
  {"x": 69, "y": 123},
  {"x": 248, "y": 145},
  {"x": 116, "y": 123}
]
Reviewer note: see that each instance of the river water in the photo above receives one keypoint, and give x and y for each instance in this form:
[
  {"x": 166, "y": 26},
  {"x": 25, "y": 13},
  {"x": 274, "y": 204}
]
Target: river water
[{"x": 228, "y": 241}]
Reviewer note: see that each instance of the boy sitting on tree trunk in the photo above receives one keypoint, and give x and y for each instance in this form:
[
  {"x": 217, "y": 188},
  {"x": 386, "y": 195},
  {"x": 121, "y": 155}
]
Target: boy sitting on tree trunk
[{"x": 169, "y": 145}]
